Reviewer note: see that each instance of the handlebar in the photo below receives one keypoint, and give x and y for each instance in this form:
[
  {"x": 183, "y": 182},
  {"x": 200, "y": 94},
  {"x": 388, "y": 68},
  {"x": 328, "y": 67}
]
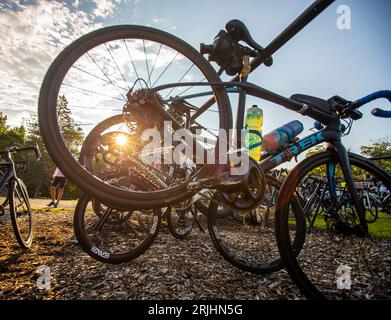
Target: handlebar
[
  {"x": 12, "y": 149},
  {"x": 373, "y": 96},
  {"x": 381, "y": 113}
]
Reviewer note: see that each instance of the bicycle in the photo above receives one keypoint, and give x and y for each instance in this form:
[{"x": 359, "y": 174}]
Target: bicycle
[
  {"x": 151, "y": 104},
  {"x": 231, "y": 57},
  {"x": 343, "y": 232},
  {"x": 17, "y": 197},
  {"x": 305, "y": 208},
  {"x": 371, "y": 204}
]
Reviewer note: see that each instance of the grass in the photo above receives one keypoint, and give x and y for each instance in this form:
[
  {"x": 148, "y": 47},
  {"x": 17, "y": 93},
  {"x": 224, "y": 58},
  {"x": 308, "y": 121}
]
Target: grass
[{"x": 380, "y": 229}]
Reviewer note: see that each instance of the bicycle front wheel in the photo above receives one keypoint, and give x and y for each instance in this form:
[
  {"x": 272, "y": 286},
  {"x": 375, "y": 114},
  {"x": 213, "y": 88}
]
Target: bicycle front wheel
[
  {"x": 337, "y": 261},
  {"x": 102, "y": 72},
  {"x": 21, "y": 215},
  {"x": 114, "y": 236}
]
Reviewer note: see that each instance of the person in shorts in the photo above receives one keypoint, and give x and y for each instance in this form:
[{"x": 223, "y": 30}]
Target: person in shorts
[{"x": 58, "y": 181}]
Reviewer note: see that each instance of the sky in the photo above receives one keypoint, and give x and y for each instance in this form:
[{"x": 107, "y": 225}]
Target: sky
[{"x": 322, "y": 60}]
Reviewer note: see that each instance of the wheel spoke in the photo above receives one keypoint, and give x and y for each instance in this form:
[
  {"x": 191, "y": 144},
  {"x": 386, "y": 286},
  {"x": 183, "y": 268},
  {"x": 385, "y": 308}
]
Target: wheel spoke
[
  {"x": 153, "y": 67},
  {"x": 187, "y": 89},
  {"x": 165, "y": 69},
  {"x": 181, "y": 78},
  {"x": 146, "y": 61},
  {"x": 105, "y": 74},
  {"x": 91, "y": 91},
  {"x": 95, "y": 76},
  {"x": 131, "y": 59},
  {"x": 116, "y": 64}
]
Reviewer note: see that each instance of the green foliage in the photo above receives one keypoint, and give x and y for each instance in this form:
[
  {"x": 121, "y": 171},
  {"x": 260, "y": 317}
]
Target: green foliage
[
  {"x": 73, "y": 137},
  {"x": 71, "y": 133},
  {"x": 10, "y": 136},
  {"x": 36, "y": 174},
  {"x": 380, "y": 147},
  {"x": 318, "y": 171},
  {"x": 358, "y": 174}
]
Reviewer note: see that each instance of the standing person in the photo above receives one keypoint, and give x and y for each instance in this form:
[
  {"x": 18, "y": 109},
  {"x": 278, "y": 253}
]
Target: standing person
[{"x": 57, "y": 182}]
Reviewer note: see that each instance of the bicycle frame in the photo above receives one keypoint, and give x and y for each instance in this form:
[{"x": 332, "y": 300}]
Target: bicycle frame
[
  {"x": 331, "y": 134},
  {"x": 10, "y": 173}
]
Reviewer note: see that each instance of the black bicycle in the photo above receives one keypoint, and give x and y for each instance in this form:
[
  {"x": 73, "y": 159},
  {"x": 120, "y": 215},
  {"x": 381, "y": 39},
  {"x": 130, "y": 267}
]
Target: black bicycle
[
  {"x": 152, "y": 77},
  {"x": 343, "y": 257},
  {"x": 16, "y": 196},
  {"x": 91, "y": 67}
]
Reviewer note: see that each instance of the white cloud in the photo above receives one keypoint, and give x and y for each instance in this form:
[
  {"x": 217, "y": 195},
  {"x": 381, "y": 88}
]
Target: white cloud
[
  {"x": 104, "y": 8},
  {"x": 31, "y": 38},
  {"x": 76, "y": 3}
]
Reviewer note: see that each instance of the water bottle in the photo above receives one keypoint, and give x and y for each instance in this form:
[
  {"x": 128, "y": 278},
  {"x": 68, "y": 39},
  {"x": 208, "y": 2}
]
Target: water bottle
[
  {"x": 277, "y": 138},
  {"x": 253, "y": 131}
]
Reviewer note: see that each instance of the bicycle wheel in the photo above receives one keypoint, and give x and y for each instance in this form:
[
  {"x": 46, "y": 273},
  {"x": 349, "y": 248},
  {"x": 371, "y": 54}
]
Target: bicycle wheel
[
  {"x": 21, "y": 215},
  {"x": 117, "y": 235},
  {"x": 116, "y": 66},
  {"x": 336, "y": 261},
  {"x": 371, "y": 210},
  {"x": 245, "y": 241},
  {"x": 180, "y": 222}
]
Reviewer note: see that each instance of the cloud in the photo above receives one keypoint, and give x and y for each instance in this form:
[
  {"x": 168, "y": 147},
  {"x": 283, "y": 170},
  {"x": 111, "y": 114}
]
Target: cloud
[
  {"x": 31, "y": 37},
  {"x": 104, "y": 8}
]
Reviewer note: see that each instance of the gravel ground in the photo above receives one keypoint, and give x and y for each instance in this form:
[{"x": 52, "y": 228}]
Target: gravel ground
[{"x": 170, "y": 269}]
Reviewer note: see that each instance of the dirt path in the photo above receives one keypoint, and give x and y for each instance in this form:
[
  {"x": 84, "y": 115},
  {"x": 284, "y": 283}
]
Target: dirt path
[
  {"x": 170, "y": 269},
  {"x": 42, "y": 203}
]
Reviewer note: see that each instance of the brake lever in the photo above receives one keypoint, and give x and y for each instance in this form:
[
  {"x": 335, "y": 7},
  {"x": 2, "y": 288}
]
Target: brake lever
[{"x": 239, "y": 32}]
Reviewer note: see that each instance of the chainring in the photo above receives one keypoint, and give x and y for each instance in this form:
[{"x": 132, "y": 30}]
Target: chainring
[{"x": 251, "y": 191}]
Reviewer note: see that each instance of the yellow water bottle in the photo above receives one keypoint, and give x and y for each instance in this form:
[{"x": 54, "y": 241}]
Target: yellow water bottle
[{"x": 253, "y": 131}]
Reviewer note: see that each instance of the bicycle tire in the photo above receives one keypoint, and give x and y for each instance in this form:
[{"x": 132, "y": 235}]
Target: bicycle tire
[
  {"x": 50, "y": 129},
  {"x": 288, "y": 188},
  {"x": 101, "y": 254},
  {"x": 172, "y": 225},
  {"x": 372, "y": 215},
  {"x": 18, "y": 188}
]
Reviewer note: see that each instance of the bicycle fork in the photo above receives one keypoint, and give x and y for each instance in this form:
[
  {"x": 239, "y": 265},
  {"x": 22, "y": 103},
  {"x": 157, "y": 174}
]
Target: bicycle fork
[{"x": 344, "y": 162}]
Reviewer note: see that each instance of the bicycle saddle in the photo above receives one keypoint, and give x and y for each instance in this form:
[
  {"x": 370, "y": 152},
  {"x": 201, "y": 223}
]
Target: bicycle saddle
[
  {"x": 239, "y": 32},
  {"x": 315, "y": 102}
]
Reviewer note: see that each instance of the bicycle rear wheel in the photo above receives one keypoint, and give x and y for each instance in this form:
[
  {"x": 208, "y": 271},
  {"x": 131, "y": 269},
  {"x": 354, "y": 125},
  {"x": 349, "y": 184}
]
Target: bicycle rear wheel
[
  {"x": 337, "y": 260},
  {"x": 104, "y": 70},
  {"x": 21, "y": 215}
]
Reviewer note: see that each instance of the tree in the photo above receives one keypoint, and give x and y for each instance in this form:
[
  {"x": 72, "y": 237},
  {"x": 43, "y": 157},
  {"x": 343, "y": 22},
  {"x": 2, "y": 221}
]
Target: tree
[
  {"x": 10, "y": 136},
  {"x": 38, "y": 178},
  {"x": 380, "y": 147},
  {"x": 71, "y": 133}
]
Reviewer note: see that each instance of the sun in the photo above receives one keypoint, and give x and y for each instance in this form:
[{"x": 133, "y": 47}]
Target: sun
[{"x": 121, "y": 139}]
